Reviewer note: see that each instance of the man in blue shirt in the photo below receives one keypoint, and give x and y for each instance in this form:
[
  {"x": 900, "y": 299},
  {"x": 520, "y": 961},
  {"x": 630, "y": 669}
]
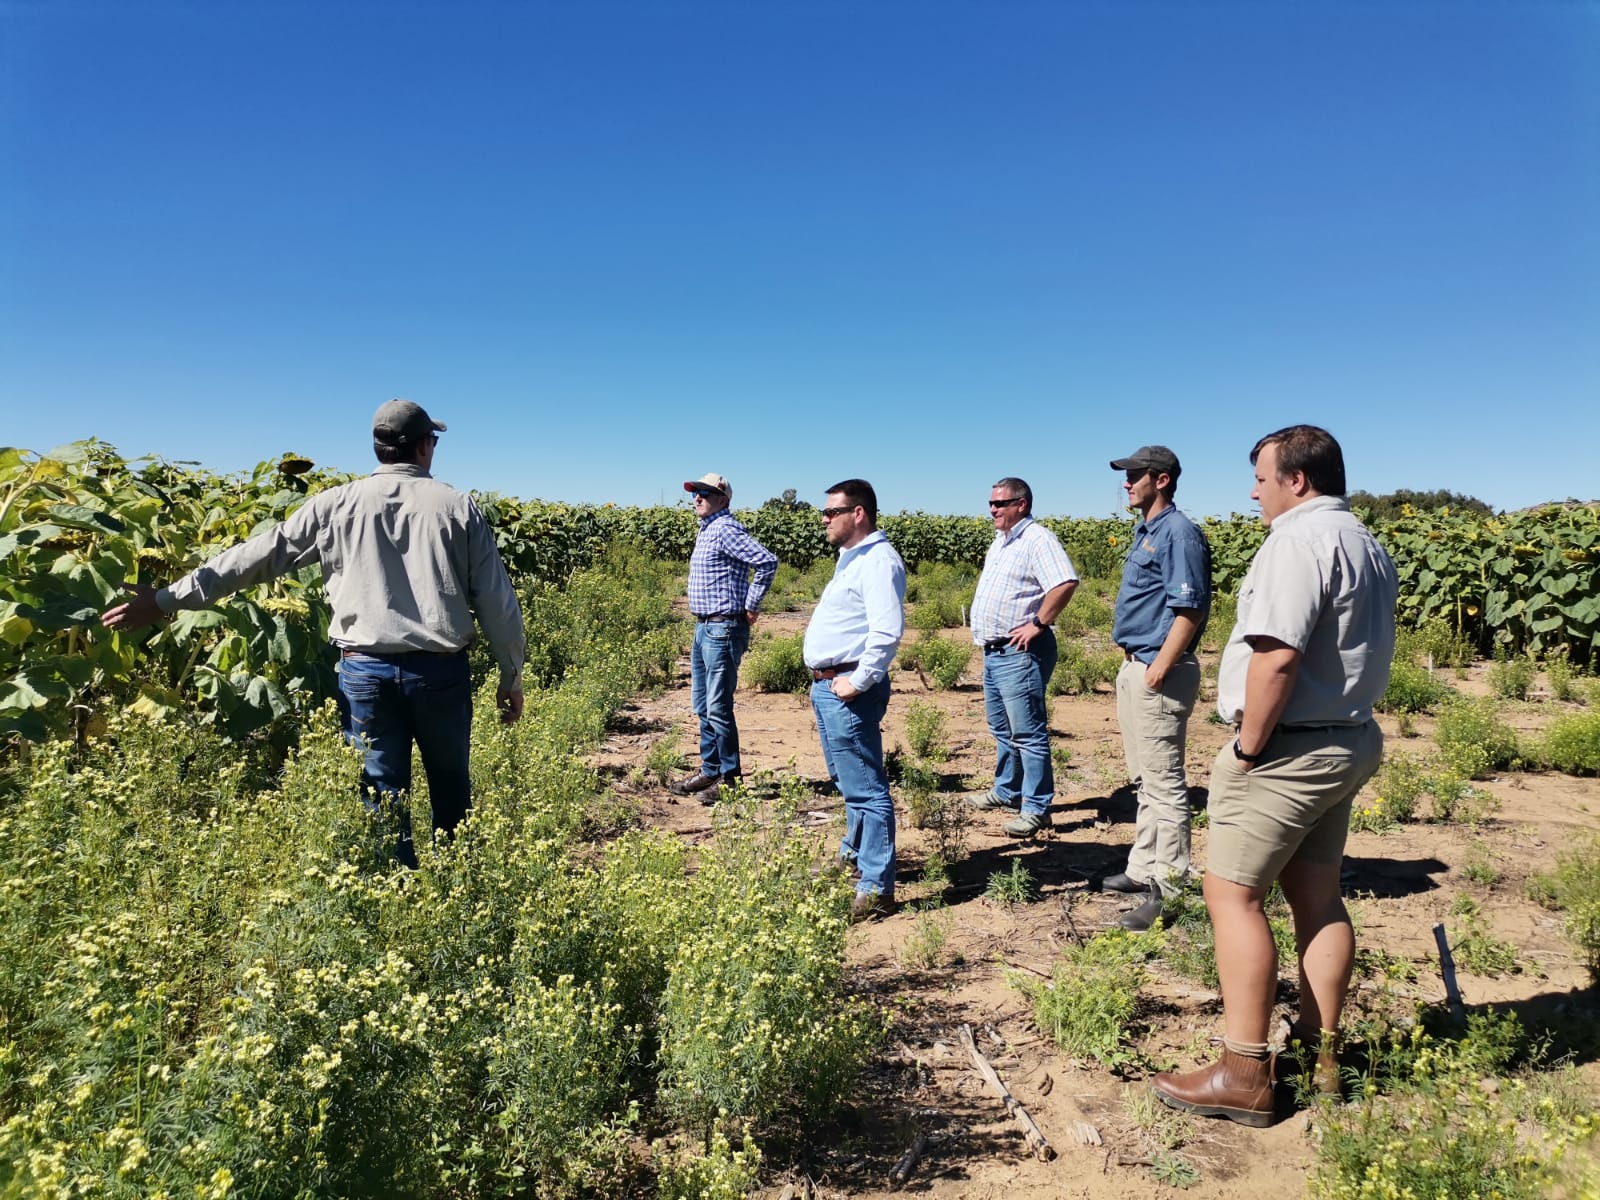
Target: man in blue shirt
[
  {"x": 1161, "y": 611},
  {"x": 853, "y": 635},
  {"x": 725, "y": 603}
]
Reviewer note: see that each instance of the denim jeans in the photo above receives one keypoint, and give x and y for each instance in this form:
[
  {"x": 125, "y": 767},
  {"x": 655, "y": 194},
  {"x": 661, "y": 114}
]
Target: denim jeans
[
  {"x": 713, "y": 672},
  {"x": 1013, "y": 701},
  {"x": 386, "y": 703},
  {"x": 852, "y": 744}
]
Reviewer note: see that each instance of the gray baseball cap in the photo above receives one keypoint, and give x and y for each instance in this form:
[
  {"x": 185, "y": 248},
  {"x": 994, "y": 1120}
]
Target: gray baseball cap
[
  {"x": 402, "y": 423},
  {"x": 1149, "y": 458}
]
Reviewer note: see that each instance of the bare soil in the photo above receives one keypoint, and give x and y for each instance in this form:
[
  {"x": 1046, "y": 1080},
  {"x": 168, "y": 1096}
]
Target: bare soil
[{"x": 1398, "y": 885}]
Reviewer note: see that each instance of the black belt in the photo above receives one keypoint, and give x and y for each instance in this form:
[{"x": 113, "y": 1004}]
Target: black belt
[
  {"x": 818, "y": 673},
  {"x": 994, "y": 644},
  {"x": 720, "y": 617}
]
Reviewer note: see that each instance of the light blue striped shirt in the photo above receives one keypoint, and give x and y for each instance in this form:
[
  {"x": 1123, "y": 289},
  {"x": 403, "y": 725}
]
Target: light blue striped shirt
[
  {"x": 1021, "y": 566},
  {"x": 861, "y": 616}
]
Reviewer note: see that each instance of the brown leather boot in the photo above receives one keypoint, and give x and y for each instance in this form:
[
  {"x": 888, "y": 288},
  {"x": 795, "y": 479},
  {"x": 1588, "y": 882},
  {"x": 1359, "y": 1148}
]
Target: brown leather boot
[{"x": 1234, "y": 1086}]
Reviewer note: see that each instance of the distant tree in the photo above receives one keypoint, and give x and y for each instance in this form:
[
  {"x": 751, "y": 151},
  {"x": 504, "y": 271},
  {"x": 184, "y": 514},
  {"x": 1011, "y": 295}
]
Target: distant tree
[
  {"x": 787, "y": 502},
  {"x": 1389, "y": 504}
]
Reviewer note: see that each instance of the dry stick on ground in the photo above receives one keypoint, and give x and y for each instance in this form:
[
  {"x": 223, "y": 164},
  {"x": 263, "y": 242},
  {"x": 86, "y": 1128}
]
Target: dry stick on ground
[
  {"x": 1041, "y": 1148},
  {"x": 1447, "y": 968},
  {"x": 908, "y": 1160}
]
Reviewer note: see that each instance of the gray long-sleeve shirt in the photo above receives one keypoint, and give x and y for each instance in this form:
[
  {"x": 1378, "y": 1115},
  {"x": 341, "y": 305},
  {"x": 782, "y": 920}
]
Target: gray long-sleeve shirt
[{"x": 406, "y": 561}]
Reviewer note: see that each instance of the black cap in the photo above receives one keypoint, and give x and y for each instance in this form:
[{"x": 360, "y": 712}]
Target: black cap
[
  {"x": 402, "y": 423},
  {"x": 1149, "y": 458}
]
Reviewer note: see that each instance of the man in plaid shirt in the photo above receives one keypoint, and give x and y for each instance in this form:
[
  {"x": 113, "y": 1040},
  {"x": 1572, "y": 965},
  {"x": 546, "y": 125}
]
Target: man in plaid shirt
[
  {"x": 725, "y": 602},
  {"x": 1027, "y": 580}
]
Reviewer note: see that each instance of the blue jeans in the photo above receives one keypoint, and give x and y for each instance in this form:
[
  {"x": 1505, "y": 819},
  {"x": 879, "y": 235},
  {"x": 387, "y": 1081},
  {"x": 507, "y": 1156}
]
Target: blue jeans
[
  {"x": 852, "y": 744},
  {"x": 1013, "y": 701},
  {"x": 713, "y": 672},
  {"x": 387, "y": 702}
]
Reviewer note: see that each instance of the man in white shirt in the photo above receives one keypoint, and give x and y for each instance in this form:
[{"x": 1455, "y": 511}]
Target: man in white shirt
[
  {"x": 1027, "y": 580},
  {"x": 1309, "y": 654},
  {"x": 852, "y": 637}
]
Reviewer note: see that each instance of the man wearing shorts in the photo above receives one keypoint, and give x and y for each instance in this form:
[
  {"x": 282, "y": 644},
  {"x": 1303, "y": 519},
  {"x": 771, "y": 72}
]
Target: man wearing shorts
[{"x": 1308, "y": 656}]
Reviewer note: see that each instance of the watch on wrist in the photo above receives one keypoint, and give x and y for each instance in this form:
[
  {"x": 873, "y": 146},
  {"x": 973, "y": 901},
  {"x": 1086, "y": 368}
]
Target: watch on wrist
[
  {"x": 1239, "y": 753},
  {"x": 1038, "y": 624}
]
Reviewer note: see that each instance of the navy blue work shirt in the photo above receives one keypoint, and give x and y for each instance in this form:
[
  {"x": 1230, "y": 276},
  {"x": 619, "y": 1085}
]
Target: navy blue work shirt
[{"x": 1169, "y": 567}]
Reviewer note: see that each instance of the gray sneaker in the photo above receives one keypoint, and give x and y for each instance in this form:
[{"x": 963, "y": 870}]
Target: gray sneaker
[
  {"x": 1027, "y": 824},
  {"x": 989, "y": 801}
]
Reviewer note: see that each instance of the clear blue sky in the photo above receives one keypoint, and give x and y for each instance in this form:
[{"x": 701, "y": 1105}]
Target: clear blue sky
[{"x": 616, "y": 245}]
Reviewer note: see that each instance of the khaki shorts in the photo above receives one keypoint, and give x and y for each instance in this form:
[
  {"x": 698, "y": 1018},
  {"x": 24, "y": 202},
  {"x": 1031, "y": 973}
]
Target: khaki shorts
[{"x": 1293, "y": 805}]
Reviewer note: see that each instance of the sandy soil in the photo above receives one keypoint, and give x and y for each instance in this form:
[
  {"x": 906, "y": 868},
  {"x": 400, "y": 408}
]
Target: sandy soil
[{"x": 1399, "y": 884}]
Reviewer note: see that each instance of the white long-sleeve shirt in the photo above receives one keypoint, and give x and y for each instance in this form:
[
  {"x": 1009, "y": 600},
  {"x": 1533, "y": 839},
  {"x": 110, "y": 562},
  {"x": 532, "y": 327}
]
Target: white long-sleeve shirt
[{"x": 861, "y": 615}]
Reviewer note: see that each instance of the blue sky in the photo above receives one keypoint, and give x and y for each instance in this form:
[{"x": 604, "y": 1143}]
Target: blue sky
[{"x": 617, "y": 245}]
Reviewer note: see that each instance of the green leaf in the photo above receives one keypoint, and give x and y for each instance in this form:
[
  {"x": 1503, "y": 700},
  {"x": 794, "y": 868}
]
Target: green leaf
[
  {"x": 76, "y": 516},
  {"x": 23, "y": 691}
]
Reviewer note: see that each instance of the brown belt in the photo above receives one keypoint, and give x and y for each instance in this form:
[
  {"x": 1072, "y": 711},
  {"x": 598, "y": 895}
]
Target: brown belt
[{"x": 832, "y": 672}]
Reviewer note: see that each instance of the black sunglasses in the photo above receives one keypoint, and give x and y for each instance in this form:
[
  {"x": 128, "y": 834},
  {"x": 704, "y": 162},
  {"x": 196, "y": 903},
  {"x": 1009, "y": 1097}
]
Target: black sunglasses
[
  {"x": 830, "y": 513},
  {"x": 1007, "y": 503}
]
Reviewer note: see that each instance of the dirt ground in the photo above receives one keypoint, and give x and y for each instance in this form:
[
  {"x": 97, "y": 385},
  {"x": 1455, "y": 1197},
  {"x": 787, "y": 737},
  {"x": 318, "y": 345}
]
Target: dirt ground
[{"x": 1398, "y": 884}]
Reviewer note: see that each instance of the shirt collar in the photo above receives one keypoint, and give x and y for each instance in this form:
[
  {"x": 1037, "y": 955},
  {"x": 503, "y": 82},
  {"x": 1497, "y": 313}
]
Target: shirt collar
[
  {"x": 1145, "y": 526},
  {"x": 872, "y": 539},
  {"x": 1314, "y": 505},
  {"x": 721, "y": 512},
  {"x": 1015, "y": 531},
  {"x": 411, "y": 469}
]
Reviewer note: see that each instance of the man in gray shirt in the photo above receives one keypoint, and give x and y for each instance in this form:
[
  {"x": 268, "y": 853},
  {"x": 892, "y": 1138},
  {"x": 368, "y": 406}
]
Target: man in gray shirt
[
  {"x": 407, "y": 562},
  {"x": 1309, "y": 655}
]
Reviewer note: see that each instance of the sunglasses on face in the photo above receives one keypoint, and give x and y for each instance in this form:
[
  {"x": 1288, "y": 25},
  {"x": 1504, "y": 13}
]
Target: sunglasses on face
[
  {"x": 1005, "y": 503},
  {"x": 829, "y": 514},
  {"x": 1135, "y": 476},
  {"x": 702, "y": 493}
]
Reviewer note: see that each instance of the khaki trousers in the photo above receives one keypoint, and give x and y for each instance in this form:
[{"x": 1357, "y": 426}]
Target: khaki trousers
[{"x": 1155, "y": 734}]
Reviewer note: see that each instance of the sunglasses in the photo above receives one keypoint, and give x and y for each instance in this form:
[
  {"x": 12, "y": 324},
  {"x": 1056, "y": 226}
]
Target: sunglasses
[
  {"x": 1006, "y": 503},
  {"x": 1135, "y": 476},
  {"x": 705, "y": 492},
  {"x": 829, "y": 514}
]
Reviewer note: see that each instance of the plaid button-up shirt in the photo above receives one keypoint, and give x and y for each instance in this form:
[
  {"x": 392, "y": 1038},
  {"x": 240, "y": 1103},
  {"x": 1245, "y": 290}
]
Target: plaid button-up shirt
[
  {"x": 719, "y": 569},
  {"x": 1020, "y": 568}
]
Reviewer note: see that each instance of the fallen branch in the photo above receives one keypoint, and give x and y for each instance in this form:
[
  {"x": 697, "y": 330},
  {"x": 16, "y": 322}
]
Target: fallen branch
[
  {"x": 908, "y": 1160},
  {"x": 1041, "y": 1147}
]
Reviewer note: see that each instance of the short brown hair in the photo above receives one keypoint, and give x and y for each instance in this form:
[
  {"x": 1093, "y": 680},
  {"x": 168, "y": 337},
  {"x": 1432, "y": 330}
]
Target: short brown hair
[
  {"x": 1017, "y": 487},
  {"x": 1309, "y": 450}
]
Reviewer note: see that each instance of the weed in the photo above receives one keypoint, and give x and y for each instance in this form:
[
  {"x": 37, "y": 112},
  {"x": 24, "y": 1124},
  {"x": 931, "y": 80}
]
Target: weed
[
  {"x": 1511, "y": 678},
  {"x": 1572, "y": 744},
  {"x": 943, "y": 659},
  {"x": 1455, "y": 801},
  {"x": 665, "y": 759},
  {"x": 777, "y": 664},
  {"x": 1013, "y": 887},
  {"x": 930, "y": 935},
  {"x": 1087, "y": 612},
  {"x": 1424, "y": 1124},
  {"x": 1575, "y": 889},
  {"x": 1092, "y": 996},
  {"x": 925, "y": 725},
  {"x": 715, "y": 1171},
  {"x": 1558, "y": 673},
  {"x": 1412, "y": 689},
  {"x": 1434, "y": 641},
  {"x": 1473, "y": 740},
  {"x": 1475, "y": 948},
  {"x": 1079, "y": 671},
  {"x": 1480, "y": 868}
]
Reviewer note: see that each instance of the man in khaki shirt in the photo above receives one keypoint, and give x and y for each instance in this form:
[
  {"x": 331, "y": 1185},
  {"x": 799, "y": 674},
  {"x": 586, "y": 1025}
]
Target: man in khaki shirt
[{"x": 407, "y": 562}]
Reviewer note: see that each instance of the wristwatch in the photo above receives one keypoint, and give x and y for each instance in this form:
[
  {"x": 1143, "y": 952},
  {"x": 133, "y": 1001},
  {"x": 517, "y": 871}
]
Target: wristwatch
[
  {"x": 1038, "y": 623},
  {"x": 1238, "y": 753}
]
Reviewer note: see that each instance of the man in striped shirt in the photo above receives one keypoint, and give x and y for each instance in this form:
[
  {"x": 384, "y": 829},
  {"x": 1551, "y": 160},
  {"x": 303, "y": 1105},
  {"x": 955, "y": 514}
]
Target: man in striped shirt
[
  {"x": 725, "y": 602},
  {"x": 1027, "y": 580}
]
